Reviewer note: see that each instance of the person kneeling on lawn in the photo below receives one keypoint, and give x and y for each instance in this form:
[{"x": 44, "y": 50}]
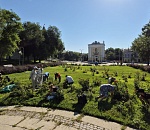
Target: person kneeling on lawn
[
  {"x": 105, "y": 89},
  {"x": 52, "y": 92}
]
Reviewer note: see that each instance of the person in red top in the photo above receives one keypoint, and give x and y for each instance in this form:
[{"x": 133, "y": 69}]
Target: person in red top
[{"x": 57, "y": 76}]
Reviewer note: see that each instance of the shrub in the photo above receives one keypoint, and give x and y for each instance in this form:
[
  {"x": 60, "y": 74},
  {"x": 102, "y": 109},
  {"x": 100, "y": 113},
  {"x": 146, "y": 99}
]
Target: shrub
[
  {"x": 84, "y": 83},
  {"x": 122, "y": 93}
]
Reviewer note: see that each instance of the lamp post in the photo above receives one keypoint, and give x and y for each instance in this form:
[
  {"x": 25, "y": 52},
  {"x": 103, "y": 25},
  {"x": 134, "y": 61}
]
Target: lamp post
[
  {"x": 81, "y": 54},
  {"x": 21, "y": 53},
  {"x": 122, "y": 55}
]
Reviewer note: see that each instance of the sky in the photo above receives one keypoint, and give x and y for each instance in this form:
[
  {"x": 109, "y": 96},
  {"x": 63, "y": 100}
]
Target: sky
[{"x": 81, "y": 22}]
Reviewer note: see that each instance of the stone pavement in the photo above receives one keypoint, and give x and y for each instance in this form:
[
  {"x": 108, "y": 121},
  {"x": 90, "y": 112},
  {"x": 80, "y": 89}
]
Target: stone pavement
[{"x": 38, "y": 118}]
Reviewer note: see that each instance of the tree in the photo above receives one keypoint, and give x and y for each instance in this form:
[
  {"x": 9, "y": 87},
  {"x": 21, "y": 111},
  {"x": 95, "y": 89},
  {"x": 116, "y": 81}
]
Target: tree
[
  {"x": 72, "y": 56},
  {"x": 31, "y": 40},
  {"x": 110, "y": 54},
  {"x": 53, "y": 41},
  {"x": 10, "y": 26},
  {"x": 118, "y": 54},
  {"x": 146, "y": 30},
  {"x": 141, "y": 45}
]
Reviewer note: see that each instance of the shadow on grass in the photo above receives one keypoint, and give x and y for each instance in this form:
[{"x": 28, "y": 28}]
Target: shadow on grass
[
  {"x": 50, "y": 103},
  {"x": 104, "y": 105},
  {"x": 78, "y": 107},
  {"x": 15, "y": 99},
  {"x": 146, "y": 112}
]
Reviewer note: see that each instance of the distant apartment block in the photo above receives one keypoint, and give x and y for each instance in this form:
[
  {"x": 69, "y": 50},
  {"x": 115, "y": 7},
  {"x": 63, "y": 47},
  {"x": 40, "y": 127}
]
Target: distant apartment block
[{"x": 130, "y": 56}]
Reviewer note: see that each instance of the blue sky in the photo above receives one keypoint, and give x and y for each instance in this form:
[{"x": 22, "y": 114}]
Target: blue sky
[{"x": 81, "y": 22}]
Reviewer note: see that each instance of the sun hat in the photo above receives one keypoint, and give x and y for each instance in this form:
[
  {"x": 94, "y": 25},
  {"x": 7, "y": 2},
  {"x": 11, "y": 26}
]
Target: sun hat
[{"x": 35, "y": 67}]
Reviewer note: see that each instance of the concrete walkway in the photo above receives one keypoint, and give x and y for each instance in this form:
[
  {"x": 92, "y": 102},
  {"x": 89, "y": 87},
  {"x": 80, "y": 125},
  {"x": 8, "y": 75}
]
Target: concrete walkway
[{"x": 38, "y": 118}]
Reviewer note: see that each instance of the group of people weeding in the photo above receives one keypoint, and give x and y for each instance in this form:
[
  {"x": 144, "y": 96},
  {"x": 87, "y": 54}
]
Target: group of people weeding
[{"x": 37, "y": 76}]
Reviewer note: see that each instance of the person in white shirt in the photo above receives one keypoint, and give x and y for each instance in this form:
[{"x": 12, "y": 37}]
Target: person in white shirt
[
  {"x": 33, "y": 77},
  {"x": 69, "y": 80},
  {"x": 40, "y": 75}
]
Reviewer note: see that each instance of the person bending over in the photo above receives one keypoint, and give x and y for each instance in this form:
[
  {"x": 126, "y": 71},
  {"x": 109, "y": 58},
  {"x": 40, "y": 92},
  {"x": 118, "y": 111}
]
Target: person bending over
[
  {"x": 69, "y": 80},
  {"x": 57, "y": 75},
  {"x": 105, "y": 89},
  {"x": 143, "y": 96}
]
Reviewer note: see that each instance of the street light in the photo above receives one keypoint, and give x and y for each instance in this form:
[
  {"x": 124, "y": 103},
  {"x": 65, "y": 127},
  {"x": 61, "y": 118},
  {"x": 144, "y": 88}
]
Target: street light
[
  {"x": 81, "y": 54},
  {"x": 21, "y": 53}
]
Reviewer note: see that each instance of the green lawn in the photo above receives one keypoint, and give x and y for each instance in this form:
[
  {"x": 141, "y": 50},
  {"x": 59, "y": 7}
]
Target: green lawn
[{"x": 130, "y": 112}]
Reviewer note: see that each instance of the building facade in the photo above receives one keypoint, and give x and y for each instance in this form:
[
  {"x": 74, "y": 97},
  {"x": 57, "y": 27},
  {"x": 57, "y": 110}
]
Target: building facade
[
  {"x": 96, "y": 52},
  {"x": 129, "y": 56}
]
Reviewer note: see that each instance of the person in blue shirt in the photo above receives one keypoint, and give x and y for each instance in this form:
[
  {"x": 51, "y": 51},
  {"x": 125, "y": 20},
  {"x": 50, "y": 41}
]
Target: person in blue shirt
[{"x": 105, "y": 89}]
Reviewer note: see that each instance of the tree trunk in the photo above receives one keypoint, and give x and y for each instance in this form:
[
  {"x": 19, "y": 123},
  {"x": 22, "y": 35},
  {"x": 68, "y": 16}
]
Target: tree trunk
[
  {"x": 28, "y": 59},
  {"x": 148, "y": 63},
  {"x": 148, "y": 59},
  {"x": 34, "y": 59}
]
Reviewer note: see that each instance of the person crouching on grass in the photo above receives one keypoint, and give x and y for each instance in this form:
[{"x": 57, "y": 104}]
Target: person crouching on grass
[
  {"x": 69, "y": 80},
  {"x": 105, "y": 89},
  {"x": 57, "y": 75},
  {"x": 143, "y": 96},
  {"x": 52, "y": 91}
]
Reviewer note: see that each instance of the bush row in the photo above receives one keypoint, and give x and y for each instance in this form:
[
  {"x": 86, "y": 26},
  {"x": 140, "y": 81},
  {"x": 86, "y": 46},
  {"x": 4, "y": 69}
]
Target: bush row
[
  {"x": 28, "y": 67},
  {"x": 141, "y": 67}
]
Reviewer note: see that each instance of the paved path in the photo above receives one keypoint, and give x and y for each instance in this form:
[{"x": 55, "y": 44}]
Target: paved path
[{"x": 34, "y": 118}]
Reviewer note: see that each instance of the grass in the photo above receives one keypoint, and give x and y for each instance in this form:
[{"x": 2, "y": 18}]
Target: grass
[{"x": 130, "y": 112}]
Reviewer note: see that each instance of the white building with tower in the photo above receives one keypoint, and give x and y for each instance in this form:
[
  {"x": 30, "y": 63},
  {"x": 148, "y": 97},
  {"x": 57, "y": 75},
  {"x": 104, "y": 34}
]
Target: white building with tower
[{"x": 96, "y": 52}]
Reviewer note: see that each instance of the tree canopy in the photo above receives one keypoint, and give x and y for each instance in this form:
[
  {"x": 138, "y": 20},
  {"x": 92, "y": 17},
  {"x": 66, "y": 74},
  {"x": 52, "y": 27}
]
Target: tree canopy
[
  {"x": 35, "y": 41},
  {"x": 10, "y": 26},
  {"x": 142, "y": 44},
  {"x": 113, "y": 54}
]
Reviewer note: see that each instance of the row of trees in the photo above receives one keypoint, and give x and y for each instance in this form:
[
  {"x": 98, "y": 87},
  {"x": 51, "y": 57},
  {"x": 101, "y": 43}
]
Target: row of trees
[
  {"x": 113, "y": 54},
  {"x": 74, "y": 56},
  {"x": 29, "y": 38}
]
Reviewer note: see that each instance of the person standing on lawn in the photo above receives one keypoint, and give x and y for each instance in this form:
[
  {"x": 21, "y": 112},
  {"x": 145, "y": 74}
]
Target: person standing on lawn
[
  {"x": 40, "y": 75},
  {"x": 105, "y": 89},
  {"x": 33, "y": 77}
]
